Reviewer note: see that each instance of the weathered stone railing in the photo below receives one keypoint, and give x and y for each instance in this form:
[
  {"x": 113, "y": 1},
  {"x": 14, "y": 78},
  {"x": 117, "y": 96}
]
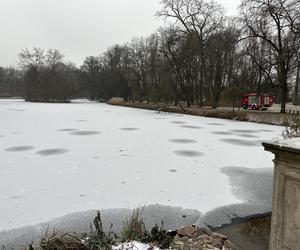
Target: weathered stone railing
[{"x": 285, "y": 225}]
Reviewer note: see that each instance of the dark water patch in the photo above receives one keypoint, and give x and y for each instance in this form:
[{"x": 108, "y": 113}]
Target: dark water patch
[
  {"x": 173, "y": 170},
  {"x": 227, "y": 215},
  {"x": 84, "y": 133},
  {"x": 251, "y": 185},
  {"x": 1, "y": 136},
  {"x": 160, "y": 118},
  {"x": 178, "y": 140},
  {"x": 188, "y": 153},
  {"x": 247, "y": 136},
  {"x": 178, "y": 122},
  {"x": 191, "y": 127},
  {"x": 244, "y": 131},
  {"x": 15, "y": 133},
  {"x": 215, "y": 123},
  {"x": 67, "y": 129},
  {"x": 129, "y": 129},
  {"x": 241, "y": 142},
  {"x": 52, "y": 151},
  {"x": 221, "y": 133},
  {"x": 266, "y": 130},
  {"x": 123, "y": 182},
  {"x": 81, "y": 120},
  {"x": 19, "y": 148}
]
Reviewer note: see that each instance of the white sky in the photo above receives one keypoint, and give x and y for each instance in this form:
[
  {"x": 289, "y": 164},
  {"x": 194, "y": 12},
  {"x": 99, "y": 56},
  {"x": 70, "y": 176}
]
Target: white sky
[{"x": 78, "y": 28}]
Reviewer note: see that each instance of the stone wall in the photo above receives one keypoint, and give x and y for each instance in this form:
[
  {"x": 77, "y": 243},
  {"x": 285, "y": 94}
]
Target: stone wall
[{"x": 285, "y": 224}]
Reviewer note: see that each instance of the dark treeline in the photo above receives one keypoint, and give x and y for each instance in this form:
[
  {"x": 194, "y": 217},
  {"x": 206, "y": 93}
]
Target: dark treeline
[{"x": 201, "y": 57}]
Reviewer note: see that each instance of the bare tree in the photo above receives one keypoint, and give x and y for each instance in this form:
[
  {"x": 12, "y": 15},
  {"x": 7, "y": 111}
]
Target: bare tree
[
  {"x": 91, "y": 68},
  {"x": 273, "y": 22},
  {"x": 297, "y": 83},
  {"x": 196, "y": 19},
  {"x": 47, "y": 78},
  {"x": 53, "y": 57},
  {"x": 35, "y": 58}
]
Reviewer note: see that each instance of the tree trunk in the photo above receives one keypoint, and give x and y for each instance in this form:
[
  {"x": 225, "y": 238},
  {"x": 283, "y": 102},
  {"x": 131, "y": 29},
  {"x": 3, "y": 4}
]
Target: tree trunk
[
  {"x": 284, "y": 93},
  {"x": 212, "y": 96},
  {"x": 283, "y": 78},
  {"x": 296, "y": 92}
]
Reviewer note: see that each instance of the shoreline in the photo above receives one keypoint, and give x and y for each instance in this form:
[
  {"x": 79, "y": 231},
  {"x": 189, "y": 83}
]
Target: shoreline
[
  {"x": 174, "y": 218},
  {"x": 256, "y": 116}
]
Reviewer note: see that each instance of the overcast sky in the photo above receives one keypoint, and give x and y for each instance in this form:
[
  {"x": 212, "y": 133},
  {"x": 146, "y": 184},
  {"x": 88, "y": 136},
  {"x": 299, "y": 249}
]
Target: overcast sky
[{"x": 78, "y": 28}]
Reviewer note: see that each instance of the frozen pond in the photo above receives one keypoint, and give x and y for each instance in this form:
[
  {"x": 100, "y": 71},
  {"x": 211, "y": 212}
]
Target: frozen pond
[{"x": 62, "y": 158}]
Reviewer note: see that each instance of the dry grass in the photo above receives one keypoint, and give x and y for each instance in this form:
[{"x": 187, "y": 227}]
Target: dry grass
[
  {"x": 265, "y": 117},
  {"x": 61, "y": 241}
]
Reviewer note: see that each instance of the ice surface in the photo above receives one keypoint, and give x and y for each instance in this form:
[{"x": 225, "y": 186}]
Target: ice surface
[{"x": 132, "y": 162}]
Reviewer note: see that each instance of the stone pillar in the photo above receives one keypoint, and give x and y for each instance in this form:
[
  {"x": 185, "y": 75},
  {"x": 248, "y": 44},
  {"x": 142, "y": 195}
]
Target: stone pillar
[{"x": 285, "y": 225}]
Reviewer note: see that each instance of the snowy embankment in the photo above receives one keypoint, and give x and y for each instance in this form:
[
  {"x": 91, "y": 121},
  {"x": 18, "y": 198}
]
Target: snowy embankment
[
  {"x": 57, "y": 159},
  {"x": 134, "y": 245}
]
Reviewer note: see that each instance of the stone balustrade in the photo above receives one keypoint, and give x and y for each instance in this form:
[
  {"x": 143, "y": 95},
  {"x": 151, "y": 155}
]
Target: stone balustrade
[{"x": 285, "y": 225}]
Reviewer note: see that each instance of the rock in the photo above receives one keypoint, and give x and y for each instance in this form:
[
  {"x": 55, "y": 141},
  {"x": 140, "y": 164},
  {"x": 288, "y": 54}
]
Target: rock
[
  {"x": 225, "y": 248},
  {"x": 229, "y": 244},
  {"x": 189, "y": 231},
  {"x": 220, "y": 236},
  {"x": 205, "y": 239},
  {"x": 184, "y": 239},
  {"x": 198, "y": 245},
  {"x": 205, "y": 231},
  {"x": 209, "y": 247},
  {"x": 217, "y": 242},
  {"x": 192, "y": 238}
]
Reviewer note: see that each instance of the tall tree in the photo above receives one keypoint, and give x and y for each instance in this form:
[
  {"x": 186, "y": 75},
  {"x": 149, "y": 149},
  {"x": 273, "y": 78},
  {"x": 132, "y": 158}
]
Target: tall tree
[
  {"x": 91, "y": 69},
  {"x": 196, "y": 19},
  {"x": 47, "y": 77},
  {"x": 274, "y": 22}
]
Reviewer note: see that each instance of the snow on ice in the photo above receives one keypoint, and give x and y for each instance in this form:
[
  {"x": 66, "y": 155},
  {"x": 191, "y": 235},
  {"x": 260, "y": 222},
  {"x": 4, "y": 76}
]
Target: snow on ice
[{"x": 62, "y": 158}]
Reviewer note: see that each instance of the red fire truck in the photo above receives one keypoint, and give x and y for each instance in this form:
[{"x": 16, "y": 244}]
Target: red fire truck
[{"x": 256, "y": 101}]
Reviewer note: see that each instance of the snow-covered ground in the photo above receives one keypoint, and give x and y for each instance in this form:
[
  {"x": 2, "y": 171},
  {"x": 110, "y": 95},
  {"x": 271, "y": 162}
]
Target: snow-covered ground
[{"x": 56, "y": 159}]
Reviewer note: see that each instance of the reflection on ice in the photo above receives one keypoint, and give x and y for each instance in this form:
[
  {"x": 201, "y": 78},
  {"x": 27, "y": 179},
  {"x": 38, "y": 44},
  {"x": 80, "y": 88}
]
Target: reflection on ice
[
  {"x": 188, "y": 153},
  {"x": 245, "y": 131},
  {"x": 241, "y": 142},
  {"x": 178, "y": 122},
  {"x": 183, "y": 141},
  {"x": 247, "y": 136},
  {"x": 191, "y": 127},
  {"x": 129, "y": 129},
  {"x": 53, "y": 151},
  {"x": 19, "y": 148},
  {"x": 221, "y": 133},
  {"x": 67, "y": 130},
  {"x": 85, "y": 133}
]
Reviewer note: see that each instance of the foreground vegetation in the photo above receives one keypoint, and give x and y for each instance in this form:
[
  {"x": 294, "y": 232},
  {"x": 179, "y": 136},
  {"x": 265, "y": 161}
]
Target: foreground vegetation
[{"x": 134, "y": 230}]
